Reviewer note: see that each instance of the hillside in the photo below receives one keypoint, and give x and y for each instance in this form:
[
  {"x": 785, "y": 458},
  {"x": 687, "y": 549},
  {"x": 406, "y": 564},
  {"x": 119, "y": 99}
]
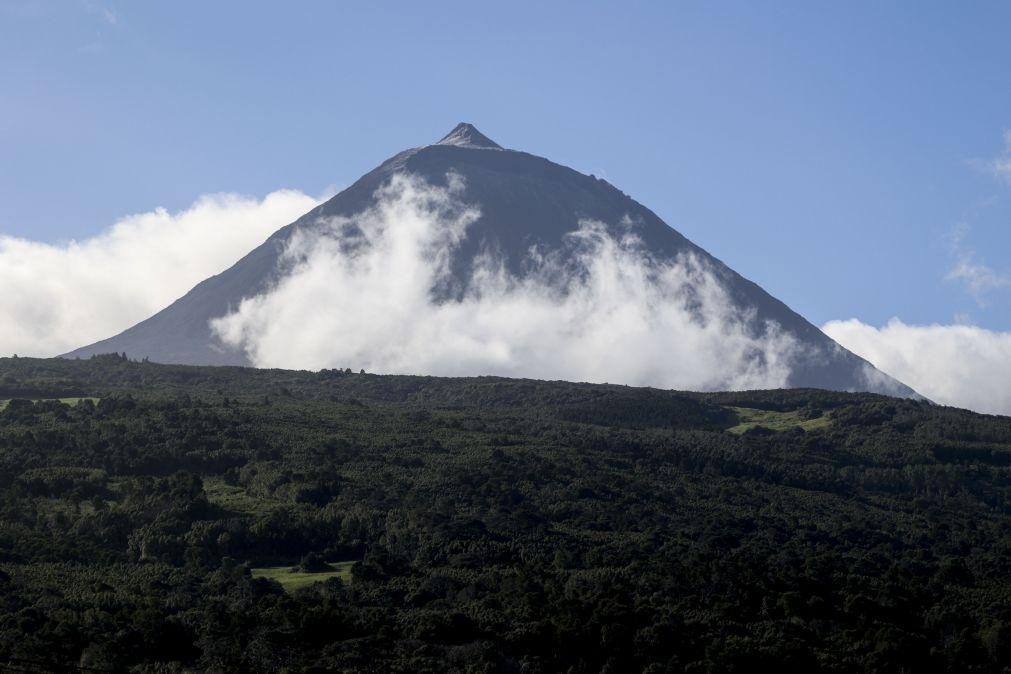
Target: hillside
[{"x": 151, "y": 515}]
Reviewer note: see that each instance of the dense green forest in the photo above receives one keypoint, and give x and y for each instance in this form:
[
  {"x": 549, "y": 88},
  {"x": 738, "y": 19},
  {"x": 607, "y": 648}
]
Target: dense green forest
[{"x": 170, "y": 518}]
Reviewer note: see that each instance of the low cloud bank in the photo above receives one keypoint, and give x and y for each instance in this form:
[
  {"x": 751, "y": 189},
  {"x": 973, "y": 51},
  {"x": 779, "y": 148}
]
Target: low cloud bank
[
  {"x": 57, "y": 297},
  {"x": 959, "y": 365},
  {"x": 361, "y": 292}
]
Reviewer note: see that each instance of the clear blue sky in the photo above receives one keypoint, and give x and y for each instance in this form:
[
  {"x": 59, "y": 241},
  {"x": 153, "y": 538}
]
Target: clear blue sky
[{"x": 825, "y": 150}]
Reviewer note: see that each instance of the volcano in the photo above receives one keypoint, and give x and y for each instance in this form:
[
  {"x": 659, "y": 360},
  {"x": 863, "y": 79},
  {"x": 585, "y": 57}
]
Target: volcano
[{"x": 526, "y": 203}]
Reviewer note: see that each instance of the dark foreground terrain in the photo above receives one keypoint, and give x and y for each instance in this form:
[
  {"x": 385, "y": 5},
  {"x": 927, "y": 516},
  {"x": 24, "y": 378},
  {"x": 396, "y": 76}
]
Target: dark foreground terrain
[{"x": 150, "y": 517}]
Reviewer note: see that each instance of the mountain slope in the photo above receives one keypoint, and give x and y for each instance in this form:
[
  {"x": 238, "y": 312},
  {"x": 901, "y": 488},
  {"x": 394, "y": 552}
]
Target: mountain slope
[{"x": 525, "y": 201}]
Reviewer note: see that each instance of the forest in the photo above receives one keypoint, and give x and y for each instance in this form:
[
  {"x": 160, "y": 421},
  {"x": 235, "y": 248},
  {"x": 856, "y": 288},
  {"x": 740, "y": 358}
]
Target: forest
[{"x": 159, "y": 518}]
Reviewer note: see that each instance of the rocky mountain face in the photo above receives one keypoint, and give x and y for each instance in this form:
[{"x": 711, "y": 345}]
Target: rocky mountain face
[{"x": 526, "y": 202}]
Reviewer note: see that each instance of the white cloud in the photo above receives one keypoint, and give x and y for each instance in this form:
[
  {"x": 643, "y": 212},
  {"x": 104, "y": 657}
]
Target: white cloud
[
  {"x": 102, "y": 12},
  {"x": 979, "y": 279},
  {"x": 360, "y": 294},
  {"x": 959, "y": 365},
  {"x": 1001, "y": 165},
  {"x": 56, "y": 297}
]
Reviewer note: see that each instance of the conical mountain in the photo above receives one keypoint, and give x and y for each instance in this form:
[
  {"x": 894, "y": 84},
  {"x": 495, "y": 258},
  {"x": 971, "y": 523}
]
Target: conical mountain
[{"x": 525, "y": 202}]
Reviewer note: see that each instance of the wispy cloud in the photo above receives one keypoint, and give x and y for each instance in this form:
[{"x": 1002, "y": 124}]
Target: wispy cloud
[
  {"x": 1000, "y": 166},
  {"x": 102, "y": 11},
  {"x": 959, "y": 365},
  {"x": 978, "y": 278},
  {"x": 57, "y": 297}
]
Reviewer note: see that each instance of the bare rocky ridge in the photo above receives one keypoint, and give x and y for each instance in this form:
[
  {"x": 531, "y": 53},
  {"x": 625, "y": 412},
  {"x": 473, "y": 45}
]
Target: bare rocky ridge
[{"x": 525, "y": 201}]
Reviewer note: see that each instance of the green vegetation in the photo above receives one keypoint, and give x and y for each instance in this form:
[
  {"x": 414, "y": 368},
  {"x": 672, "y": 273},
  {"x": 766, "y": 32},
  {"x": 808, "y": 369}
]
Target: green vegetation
[
  {"x": 65, "y": 401},
  {"x": 495, "y": 525},
  {"x": 234, "y": 498},
  {"x": 292, "y": 579},
  {"x": 750, "y": 418}
]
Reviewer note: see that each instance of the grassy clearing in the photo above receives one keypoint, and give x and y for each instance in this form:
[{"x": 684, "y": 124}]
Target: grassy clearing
[
  {"x": 749, "y": 417},
  {"x": 295, "y": 580},
  {"x": 65, "y": 401},
  {"x": 235, "y": 499}
]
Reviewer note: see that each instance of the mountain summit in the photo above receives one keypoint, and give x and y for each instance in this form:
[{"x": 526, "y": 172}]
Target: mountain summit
[
  {"x": 526, "y": 203},
  {"x": 467, "y": 135}
]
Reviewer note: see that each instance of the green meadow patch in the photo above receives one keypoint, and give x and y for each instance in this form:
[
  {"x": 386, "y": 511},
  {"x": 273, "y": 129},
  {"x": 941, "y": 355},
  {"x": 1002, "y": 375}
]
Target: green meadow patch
[
  {"x": 235, "y": 499},
  {"x": 292, "y": 579},
  {"x": 65, "y": 401},
  {"x": 750, "y": 417}
]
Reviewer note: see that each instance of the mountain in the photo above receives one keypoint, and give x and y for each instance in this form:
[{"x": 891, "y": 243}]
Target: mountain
[{"x": 525, "y": 201}]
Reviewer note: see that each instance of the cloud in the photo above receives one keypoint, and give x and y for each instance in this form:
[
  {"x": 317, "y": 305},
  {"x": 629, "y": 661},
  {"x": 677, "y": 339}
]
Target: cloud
[
  {"x": 1000, "y": 166},
  {"x": 958, "y": 365},
  {"x": 979, "y": 279},
  {"x": 102, "y": 12},
  {"x": 365, "y": 292},
  {"x": 59, "y": 297}
]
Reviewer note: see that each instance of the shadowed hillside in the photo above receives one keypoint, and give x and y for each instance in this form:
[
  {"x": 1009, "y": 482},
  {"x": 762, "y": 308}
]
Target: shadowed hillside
[{"x": 177, "y": 517}]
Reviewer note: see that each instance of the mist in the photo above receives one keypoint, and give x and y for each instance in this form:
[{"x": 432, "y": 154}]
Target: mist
[{"x": 360, "y": 292}]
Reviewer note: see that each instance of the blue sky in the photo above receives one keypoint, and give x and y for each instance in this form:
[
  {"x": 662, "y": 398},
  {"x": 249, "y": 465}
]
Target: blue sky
[{"x": 828, "y": 151}]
